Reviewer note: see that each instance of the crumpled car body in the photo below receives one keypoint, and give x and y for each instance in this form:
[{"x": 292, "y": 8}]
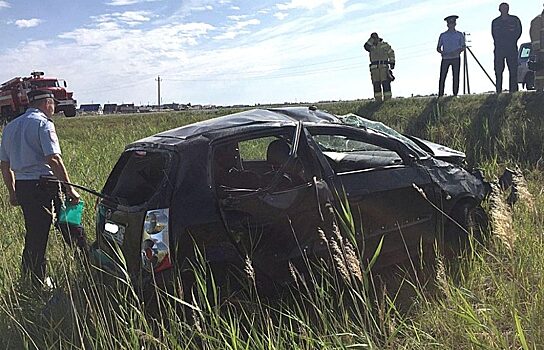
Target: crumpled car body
[{"x": 261, "y": 186}]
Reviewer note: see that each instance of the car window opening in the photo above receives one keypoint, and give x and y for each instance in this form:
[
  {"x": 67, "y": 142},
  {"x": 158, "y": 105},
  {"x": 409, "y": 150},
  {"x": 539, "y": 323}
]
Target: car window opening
[
  {"x": 137, "y": 176},
  {"x": 346, "y": 154},
  {"x": 258, "y": 163}
]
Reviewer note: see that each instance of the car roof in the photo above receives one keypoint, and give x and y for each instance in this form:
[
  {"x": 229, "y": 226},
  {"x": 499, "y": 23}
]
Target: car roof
[
  {"x": 225, "y": 126},
  {"x": 282, "y": 116}
]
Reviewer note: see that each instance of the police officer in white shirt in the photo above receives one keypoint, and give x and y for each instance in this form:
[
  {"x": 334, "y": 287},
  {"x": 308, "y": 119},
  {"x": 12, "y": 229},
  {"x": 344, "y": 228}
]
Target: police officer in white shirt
[
  {"x": 450, "y": 45},
  {"x": 30, "y": 150}
]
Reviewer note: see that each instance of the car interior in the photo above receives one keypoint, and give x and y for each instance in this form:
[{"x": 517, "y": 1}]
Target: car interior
[{"x": 257, "y": 163}]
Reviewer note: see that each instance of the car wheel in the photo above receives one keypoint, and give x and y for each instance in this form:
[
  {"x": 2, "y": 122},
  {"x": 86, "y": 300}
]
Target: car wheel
[
  {"x": 468, "y": 219},
  {"x": 530, "y": 81},
  {"x": 6, "y": 113},
  {"x": 70, "y": 111}
]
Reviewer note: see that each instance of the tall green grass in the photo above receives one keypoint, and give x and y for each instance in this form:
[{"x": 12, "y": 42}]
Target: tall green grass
[{"x": 492, "y": 300}]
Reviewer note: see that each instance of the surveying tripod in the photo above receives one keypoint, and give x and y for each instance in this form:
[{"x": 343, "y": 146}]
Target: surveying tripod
[{"x": 466, "y": 81}]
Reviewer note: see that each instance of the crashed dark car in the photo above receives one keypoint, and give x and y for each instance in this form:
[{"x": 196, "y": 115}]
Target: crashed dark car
[{"x": 260, "y": 184}]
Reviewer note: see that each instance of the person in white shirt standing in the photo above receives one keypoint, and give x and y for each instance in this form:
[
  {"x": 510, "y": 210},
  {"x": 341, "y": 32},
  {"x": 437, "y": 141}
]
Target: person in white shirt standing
[
  {"x": 30, "y": 150},
  {"x": 451, "y": 44}
]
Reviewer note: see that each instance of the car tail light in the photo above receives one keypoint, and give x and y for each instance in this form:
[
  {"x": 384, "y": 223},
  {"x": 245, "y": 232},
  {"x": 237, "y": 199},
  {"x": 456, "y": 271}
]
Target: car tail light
[{"x": 155, "y": 241}]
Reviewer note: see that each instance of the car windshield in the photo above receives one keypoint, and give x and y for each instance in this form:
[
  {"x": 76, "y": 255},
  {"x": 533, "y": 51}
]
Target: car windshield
[
  {"x": 360, "y": 122},
  {"x": 45, "y": 83},
  {"x": 137, "y": 176}
]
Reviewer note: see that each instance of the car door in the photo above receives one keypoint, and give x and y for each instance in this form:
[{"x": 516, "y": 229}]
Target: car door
[
  {"x": 271, "y": 211},
  {"x": 381, "y": 180}
]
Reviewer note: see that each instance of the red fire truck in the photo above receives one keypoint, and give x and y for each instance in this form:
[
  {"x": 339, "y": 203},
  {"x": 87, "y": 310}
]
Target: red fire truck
[{"x": 13, "y": 100}]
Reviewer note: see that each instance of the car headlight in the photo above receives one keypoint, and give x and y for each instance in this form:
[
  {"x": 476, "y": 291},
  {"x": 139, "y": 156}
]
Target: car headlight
[{"x": 155, "y": 241}]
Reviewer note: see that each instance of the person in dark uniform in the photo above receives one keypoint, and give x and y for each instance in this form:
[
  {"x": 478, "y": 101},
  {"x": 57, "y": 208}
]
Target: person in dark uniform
[
  {"x": 506, "y": 30},
  {"x": 30, "y": 150},
  {"x": 451, "y": 44},
  {"x": 536, "y": 32}
]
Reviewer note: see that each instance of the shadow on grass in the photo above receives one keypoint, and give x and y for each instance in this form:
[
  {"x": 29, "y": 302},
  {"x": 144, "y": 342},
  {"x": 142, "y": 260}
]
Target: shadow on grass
[
  {"x": 485, "y": 128},
  {"x": 431, "y": 114},
  {"x": 368, "y": 110}
]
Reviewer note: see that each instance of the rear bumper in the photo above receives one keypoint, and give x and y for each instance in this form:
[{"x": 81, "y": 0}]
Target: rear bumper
[
  {"x": 105, "y": 263},
  {"x": 142, "y": 282}
]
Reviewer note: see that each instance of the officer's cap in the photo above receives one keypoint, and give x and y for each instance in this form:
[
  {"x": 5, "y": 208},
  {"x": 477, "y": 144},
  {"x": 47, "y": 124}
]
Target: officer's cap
[
  {"x": 37, "y": 95},
  {"x": 451, "y": 18}
]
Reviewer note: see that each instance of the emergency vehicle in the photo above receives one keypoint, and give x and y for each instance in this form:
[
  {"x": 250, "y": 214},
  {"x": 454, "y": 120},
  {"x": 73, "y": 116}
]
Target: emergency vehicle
[{"x": 13, "y": 99}]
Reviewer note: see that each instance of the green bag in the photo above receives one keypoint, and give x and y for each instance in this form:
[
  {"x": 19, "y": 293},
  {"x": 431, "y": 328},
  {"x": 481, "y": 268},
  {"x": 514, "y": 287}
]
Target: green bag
[{"x": 71, "y": 213}]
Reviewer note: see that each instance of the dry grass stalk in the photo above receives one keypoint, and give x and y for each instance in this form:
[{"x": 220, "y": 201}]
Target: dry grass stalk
[
  {"x": 520, "y": 184},
  {"x": 501, "y": 218},
  {"x": 249, "y": 270},
  {"x": 345, "y": 257},
  {"x": 198, "y": 318},
  {"x": 294, "y": 273},
  {"x": 441, "y": 279}
]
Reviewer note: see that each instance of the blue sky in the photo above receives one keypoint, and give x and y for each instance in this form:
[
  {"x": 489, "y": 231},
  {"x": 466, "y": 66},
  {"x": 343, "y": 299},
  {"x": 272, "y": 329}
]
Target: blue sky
[{"x": 228, "y": 52}]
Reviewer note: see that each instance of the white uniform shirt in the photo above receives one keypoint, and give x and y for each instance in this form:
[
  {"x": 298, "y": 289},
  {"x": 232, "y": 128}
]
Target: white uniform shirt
[
  {"x": 26, "y": 142},
  {"x": 451, "y": 43}
]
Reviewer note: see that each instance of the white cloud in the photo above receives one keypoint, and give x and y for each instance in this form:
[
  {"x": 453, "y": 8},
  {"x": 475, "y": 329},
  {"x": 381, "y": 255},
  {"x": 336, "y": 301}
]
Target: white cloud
[
  {"x": 127, "y": 2},
  {"x": 28, "y": 23},
  {"x": 311, "y": 4},
  {"x": 235, "y": 8},
  {"x": 237, "y": 17},
  {"x": 131, "y": 18},
  {"x": 237, "y": 28},
  {"x": 4, "y": 4},
  {"x": 243, "y": 24},
  {"x": 202, "y": 8},
  {"x": 280, "y": 15}
]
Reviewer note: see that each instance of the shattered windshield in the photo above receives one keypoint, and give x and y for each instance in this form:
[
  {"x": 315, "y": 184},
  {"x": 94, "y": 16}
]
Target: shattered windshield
[{"x": 360, "y": 122}]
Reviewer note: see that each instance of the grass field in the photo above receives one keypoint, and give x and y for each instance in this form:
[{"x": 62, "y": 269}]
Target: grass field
[{"x": 494, "y": 299}]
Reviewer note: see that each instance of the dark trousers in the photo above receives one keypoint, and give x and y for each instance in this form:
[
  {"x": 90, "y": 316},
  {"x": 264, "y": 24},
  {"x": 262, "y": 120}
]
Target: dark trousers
[
  {"x": 511, "y": 57},
  {"x": 37, "y": 205},
  {"x": 455, "y": 64},
  {"x": 378, "y": 86}
]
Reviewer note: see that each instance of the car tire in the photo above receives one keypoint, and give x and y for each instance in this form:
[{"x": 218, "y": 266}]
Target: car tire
[
  {"x": 70, "y": 111},
  {"x": 6, "y": 114},
  {"x": 468, "y": 219}
]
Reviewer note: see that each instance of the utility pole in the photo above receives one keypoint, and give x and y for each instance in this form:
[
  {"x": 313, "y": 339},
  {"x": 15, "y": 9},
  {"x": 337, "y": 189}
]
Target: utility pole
[{"x": 158, "y": 80}]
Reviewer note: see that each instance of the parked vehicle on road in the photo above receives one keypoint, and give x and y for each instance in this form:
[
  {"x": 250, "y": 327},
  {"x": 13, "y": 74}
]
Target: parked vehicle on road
[
  {"x": 260, "y": 185},
  {"x": 13, "y": 99},
  {"x": 526, "y": 77}
]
